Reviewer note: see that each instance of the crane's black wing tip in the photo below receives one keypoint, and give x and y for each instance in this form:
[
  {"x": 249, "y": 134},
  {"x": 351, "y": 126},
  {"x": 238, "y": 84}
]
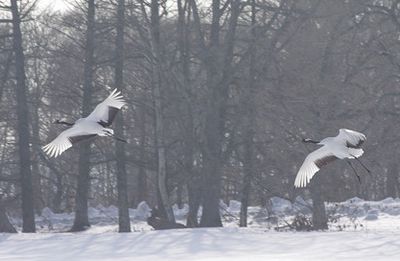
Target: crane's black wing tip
[
  {"x": 112, "y": 112},
  {"x": 325, "y": 160},
  {"x": 76, "y": 139}
]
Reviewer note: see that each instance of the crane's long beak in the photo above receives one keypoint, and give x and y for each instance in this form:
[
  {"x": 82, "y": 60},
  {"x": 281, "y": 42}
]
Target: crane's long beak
[
  {"x": 306, "y": 140},
  {"x": 63, "y": 122}
]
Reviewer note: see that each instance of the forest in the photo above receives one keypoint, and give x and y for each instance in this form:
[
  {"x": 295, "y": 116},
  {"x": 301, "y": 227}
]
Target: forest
[{"x": 219, "y": 93}]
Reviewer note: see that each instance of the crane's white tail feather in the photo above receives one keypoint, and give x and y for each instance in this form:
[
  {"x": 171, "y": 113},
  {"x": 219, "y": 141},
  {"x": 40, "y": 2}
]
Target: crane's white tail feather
[{"x": 356, "y": 152}]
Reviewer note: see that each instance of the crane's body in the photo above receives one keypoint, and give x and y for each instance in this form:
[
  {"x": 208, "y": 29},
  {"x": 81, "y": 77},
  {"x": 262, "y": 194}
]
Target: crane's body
[
  {"x": 339, "y": 148},
  {"x": 96, "y": 124},
  {"x": 91, "y": 127},
  {"x": 346, "y": 145}
]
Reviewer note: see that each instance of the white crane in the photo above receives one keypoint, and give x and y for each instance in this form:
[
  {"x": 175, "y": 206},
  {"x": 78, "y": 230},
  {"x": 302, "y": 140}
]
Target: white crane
[
  {"x": 347, "y": 144},
  {"x": 85, "y": 128}
]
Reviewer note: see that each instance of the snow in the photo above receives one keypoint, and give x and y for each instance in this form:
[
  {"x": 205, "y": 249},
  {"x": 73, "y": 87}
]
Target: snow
[
  {"x": 142, "y": 211},
  {"x": 222, "y": 244},
  {"x": 234, "y": 206},
  {"x": 359, "y": 230},
  {"x": 372, "y": 214},
  {"x": 180, "y": 213}
]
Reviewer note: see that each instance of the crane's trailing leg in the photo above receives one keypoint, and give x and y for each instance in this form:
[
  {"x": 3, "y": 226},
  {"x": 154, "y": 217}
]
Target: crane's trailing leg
[
  {"x": 362, "y": 164},
  {"x": 354, "y": 171},
  {"x": 119, "y": 139},
  {"x": 110, "y": 133}
]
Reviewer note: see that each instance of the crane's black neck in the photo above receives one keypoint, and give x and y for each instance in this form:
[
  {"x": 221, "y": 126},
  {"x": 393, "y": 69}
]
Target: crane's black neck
[
  {"x": 63, "y": 122},
  {"x": 310, "y": 141}
]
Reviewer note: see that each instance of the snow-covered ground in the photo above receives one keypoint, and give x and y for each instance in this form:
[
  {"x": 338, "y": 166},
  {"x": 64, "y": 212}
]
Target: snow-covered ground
[
  {"x": 202, "y": 244},
  {"x": 359, "y": 230}
]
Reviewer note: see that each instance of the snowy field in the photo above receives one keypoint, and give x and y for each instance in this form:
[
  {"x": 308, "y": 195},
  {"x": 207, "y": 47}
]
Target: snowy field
[
  {"x": 203, "y": 244},
  {"x": 359, "y": 230}
]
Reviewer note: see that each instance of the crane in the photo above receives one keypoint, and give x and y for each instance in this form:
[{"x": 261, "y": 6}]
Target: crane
[
  {"x": 346, "y": 145},
  {"x": 96, "y": 124}
]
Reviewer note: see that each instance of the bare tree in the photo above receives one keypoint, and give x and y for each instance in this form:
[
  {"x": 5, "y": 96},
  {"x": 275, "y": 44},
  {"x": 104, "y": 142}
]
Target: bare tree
[
  {"x": 81, "y": 221},
  {"x": 217, "y": 63},
  {"x": 158, "y": 108},
  {"x": 124, "y": 221},
  {"x": 249, "y": 104},
  {"x": 23, "y": 124},
  {"x": 5, "y": 225},
  {"x": 220, "y": 94}
]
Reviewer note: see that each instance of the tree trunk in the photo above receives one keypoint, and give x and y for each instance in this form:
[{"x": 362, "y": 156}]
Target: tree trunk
[
  {"x": 28, "y": 217},
  {"x": 179, "y": 195},
  {"x": 142, "y": 181},
  {"x": 392, "y": 181},
  {"x": 213, "y": 129},
  {"x": 248, "y": 163},
  {"x": 219, "y": 76},
  {"x": 57, "y": 200},
  {"x": 6, "y": 72},
  {"x": 122, "y": 181},
  {"x": 5, "y": 225},
  {"x": 193, "y": 178},
  {"x": 248, "y": 171},
  {"x": 319, "y": 218},
  {"x": 81, "y": 221},
  {"x": 36, "y": 179},
  {"x": 156, "y": 83},
  {"x": 194, "y": 198}
]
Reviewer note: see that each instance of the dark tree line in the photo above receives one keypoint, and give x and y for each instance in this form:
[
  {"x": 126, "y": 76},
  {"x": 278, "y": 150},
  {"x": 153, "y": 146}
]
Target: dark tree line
[{"x": 219, "y": 95}]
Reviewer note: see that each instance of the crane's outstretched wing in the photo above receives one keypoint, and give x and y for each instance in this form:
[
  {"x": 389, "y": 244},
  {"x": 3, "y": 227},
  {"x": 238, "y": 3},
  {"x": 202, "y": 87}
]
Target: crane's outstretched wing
[
  {"x": 313, "y": 162},
  {"x": 105, "y": 112},
  {"x": 352, "y": 139},
  {"x": 65, "y": 140}
]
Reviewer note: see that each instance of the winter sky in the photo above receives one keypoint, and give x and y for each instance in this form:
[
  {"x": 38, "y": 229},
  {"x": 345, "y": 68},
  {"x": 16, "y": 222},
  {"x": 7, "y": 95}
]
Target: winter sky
[{"x": 56, "y": 5}]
